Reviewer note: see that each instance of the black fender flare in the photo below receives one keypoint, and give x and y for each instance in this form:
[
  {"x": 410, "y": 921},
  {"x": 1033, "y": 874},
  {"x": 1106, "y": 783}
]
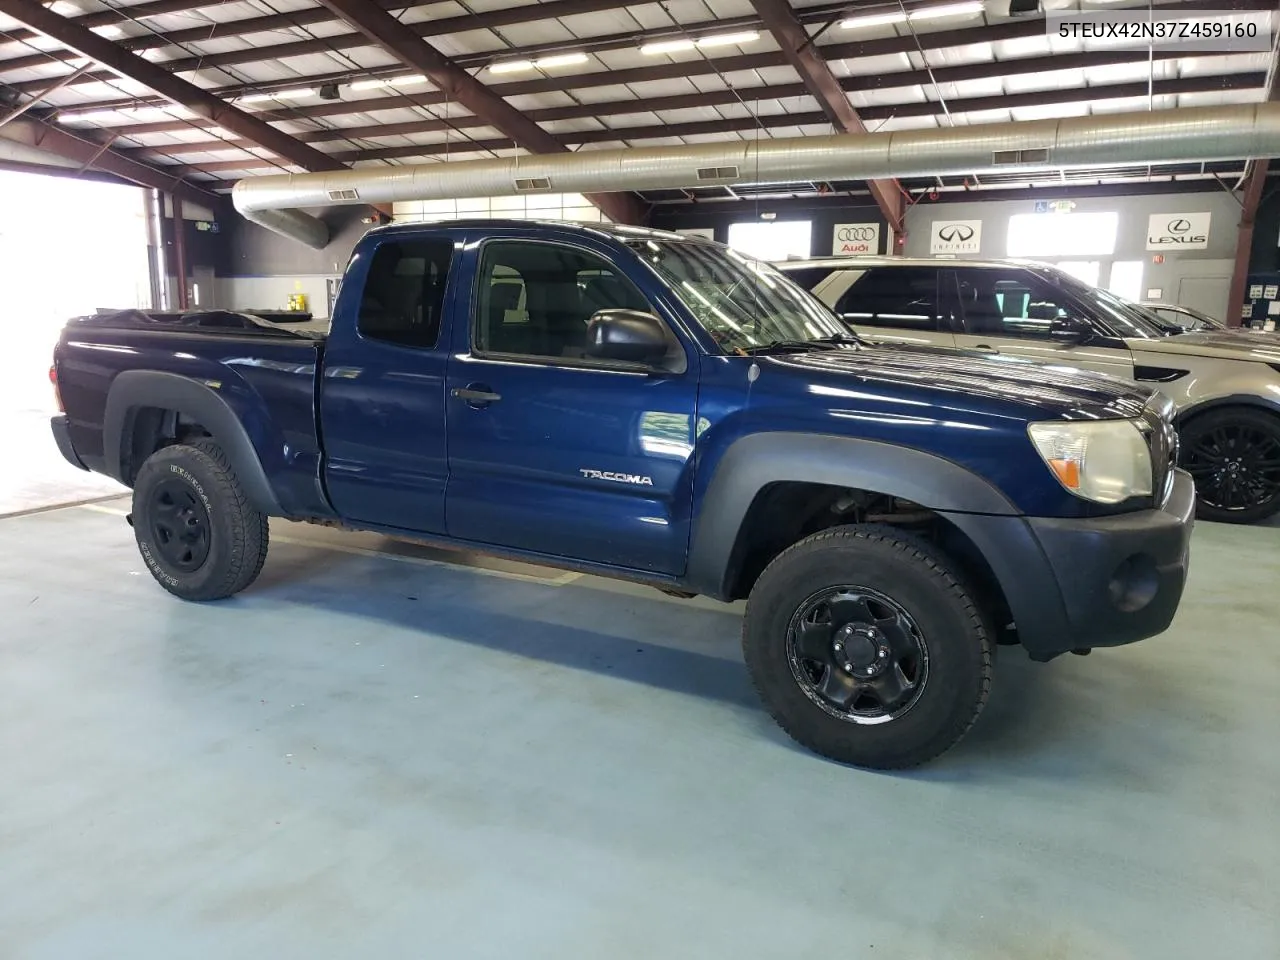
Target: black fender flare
[
  {"x": 752, "y": 463},
  {"x": 135, "y": 389},
  {"x": 1231, "y": 400}
]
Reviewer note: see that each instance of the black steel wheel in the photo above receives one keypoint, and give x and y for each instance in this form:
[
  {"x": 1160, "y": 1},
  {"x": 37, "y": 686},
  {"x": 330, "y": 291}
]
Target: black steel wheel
[
  {"x": 1233, "y": 454},
  {"x": 196, "y": 530},
  {"x": 179, "y": 525},
  {"x": 857, "y": 654},
  {"x": 866, "y": 647}
]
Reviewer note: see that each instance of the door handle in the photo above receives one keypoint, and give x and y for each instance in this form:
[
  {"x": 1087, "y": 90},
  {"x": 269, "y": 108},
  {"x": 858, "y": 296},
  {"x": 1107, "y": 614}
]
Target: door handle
[{"x": 476, "y": 395}]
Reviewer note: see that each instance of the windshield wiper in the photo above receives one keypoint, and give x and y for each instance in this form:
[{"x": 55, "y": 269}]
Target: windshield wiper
[{"x": 833, "y": 342}]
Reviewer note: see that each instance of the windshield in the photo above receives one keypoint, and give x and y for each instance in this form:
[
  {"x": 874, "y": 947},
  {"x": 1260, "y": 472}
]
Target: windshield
[
  {"x": 742, "y": 303},
  {"x": 1125, "y": 318}
]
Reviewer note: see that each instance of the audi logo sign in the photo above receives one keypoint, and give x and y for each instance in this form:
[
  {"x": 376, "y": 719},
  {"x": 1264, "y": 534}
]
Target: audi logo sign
[
  {"x": 1178, "y": 231},
  {"x": 955, "y": 236},
  {"x": 852, "y": 239}
]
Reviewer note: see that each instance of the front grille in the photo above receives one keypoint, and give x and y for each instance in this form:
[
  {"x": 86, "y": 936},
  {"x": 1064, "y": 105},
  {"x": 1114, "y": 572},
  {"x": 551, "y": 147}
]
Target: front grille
[{"x": 1162, "y": 440}]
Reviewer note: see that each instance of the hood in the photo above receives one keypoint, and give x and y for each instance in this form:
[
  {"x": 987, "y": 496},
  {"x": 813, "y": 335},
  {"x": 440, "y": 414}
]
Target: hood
[
  {"x": 1030, "y": 389},
  {"x": 1219, "y": 344}
]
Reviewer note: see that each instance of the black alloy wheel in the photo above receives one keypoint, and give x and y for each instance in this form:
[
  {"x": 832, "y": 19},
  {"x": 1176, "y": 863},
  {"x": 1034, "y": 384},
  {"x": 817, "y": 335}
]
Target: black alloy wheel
[
  {"x": 179, "y": 525},
  {"x": 1234, "y": 458},
  {"x": 857, "y": 654}
]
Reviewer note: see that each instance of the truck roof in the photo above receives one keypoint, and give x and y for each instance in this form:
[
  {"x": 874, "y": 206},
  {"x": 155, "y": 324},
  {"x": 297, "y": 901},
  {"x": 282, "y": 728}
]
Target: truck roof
[{"x": 617, "y": 230}]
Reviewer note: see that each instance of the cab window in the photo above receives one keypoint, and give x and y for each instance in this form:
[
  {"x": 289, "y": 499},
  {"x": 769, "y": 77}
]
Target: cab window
[
  {"x": 536, "y": 299},
  {"x": 901, "y": 297},
  {"x": 1007, "y": 303},
  {"x": 403, "y": 298}
]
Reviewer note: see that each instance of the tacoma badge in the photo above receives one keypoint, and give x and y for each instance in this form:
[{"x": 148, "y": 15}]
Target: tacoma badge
[{"x": 617, "y": 477}]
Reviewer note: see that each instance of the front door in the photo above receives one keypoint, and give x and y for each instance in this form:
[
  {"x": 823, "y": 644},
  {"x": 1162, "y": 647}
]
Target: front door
[
  {"x": 550, "y": 451},
  {"x": 1010, "y": 310}
]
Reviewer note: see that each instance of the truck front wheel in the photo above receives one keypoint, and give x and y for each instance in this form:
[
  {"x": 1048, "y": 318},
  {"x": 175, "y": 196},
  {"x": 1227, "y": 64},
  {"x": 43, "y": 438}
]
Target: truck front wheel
[
  {"x": 197, "y": 532},
  {"x": 865, "y": 646}
]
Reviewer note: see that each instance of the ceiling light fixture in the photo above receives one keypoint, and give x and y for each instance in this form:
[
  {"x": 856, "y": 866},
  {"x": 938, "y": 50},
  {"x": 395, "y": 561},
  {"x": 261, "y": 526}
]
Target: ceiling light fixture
[
  {"x": 108, "y": 32},
  {"x": 298, "y": 93},
  {"x": 727, "y": 39},
  {"x": 369, "y": 84},
  {"x": 511, "y": 66},
  {"x": 255, "y": 98},
  {"x": 667, "y": 46},
  {"x": 407, "y": 81},
  {"x": 560, "y": 60},
  {"x": 702, "y": 43},
  {"x": 923, "y": 13}
]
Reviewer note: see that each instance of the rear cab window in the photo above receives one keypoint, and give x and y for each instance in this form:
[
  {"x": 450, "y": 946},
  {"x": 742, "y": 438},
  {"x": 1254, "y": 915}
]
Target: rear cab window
[{"x": 404, "y": 292}]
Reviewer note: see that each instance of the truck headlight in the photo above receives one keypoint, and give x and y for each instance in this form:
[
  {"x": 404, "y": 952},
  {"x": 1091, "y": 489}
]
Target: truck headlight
[{"x": 1106, "y": 461}]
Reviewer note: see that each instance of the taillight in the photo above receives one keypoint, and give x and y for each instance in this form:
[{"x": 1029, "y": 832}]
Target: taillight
[{"x": 57, "y": 394}]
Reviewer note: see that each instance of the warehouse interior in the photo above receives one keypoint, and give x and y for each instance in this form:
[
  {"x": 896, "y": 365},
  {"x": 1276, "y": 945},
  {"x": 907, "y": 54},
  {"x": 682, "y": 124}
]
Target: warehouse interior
[{"x": 382, "y": 739}]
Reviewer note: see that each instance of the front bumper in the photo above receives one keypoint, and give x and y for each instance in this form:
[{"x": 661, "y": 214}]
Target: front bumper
[
  {"x": 1098, "y": 582},
  {"x": 61, "y": 427}
]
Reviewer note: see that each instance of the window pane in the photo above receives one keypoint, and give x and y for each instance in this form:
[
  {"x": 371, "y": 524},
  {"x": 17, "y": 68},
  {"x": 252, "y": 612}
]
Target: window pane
[
  {"x": 404, "y": 294},
  {"x": 904, "y": 297},
  {"x": 1086, "y": 271},
  {"x": 1126, "y": 279},
  {"x": 772, "y": 239},
  {"x": 1062, "y": 234},
  {"x": 535, "y": 299},
  {"x": 1003, "y": 303}
]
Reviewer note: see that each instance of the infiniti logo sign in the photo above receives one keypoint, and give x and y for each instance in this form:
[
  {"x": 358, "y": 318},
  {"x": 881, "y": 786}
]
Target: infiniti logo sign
[{"x": 955, "y": 232}]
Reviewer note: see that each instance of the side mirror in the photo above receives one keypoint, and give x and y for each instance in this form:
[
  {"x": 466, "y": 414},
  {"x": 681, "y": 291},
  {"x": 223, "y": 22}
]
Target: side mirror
[
  {"x": 631, "y": 336},
  {"x": 1070, "y": 330}
]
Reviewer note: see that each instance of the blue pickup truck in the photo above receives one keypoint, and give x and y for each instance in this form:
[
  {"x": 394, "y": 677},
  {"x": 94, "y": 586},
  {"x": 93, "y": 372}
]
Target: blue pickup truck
[{"x": 657, "y": 408}]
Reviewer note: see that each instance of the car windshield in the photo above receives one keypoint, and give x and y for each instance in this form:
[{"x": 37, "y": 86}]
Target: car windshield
[
  {"x": 1125, "y": 318},
  {"x": 742, "y": 303}
]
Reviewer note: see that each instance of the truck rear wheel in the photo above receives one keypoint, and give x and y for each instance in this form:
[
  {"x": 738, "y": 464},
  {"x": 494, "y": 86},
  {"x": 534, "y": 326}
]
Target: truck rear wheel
[
  {"x": 197, "y": 532},
  {"x": 866, "y": 648}
]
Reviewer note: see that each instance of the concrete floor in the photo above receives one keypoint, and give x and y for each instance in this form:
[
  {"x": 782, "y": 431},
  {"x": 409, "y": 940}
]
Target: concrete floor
[{"x": 372, "y": 753}]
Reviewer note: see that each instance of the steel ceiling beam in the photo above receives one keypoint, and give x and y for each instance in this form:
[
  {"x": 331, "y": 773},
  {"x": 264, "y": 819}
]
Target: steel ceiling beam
[
  {"x": 1009, "y": 30},
  {"x": 178, "y": 91},
  {"x": 99, "y": 156},
  {"x": 345, "y": 41},
  {"x": 1254, "y": 184},
  {"x": 459, "y": 86},
  {"x": 741, "y": 124},
  {"x": 214, "y": 30},
  {"x": 815, "y": 73},
  {"x": 666, "y": 71},
  {"x": 1039, "y": 98}
]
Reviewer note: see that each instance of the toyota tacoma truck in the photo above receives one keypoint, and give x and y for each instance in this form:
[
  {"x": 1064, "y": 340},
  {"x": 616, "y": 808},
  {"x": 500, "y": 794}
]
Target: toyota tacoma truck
[{"x": 656, "y": 408}]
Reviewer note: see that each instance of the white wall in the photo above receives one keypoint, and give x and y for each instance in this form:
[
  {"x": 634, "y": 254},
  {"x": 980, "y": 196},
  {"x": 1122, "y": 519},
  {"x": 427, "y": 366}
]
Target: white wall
[
  {"x": 1135, "y": 211},
  {"x": 536, "y": 206},
  {"x": 272, "y": 293}
]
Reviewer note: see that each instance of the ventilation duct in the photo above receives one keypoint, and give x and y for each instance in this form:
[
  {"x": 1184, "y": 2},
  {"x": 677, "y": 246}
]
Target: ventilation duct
[{"x": 1167, "y": 136}]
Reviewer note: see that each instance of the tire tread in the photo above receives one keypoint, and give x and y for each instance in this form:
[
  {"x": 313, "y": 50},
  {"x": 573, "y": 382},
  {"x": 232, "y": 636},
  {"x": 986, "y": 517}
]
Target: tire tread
[{"x": 920, "y": 552}]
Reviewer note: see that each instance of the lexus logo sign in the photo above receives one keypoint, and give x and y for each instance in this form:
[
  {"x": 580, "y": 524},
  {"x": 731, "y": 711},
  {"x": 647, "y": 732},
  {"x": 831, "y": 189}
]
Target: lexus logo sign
[
  {"x": 955, "y": 236},
  {"x": 1178, "y": 231},
  {"x": 956, "y": 232},
  {"x": 852, "y": 239}
]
